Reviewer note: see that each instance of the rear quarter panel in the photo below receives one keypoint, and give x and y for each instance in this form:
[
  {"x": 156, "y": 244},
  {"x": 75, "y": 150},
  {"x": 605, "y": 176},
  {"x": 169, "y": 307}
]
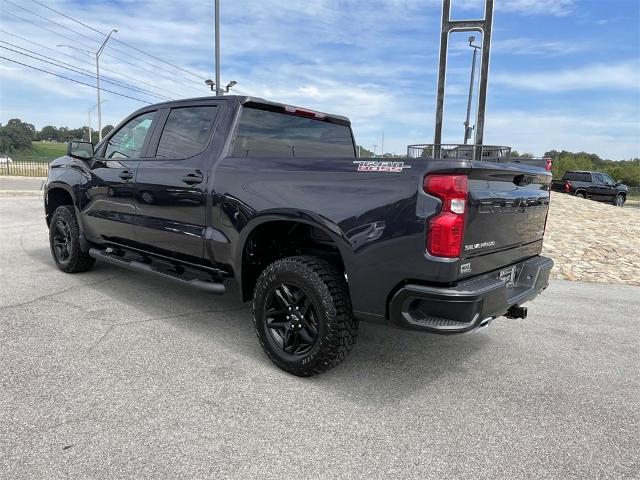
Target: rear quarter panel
[{"x": 376, "y": 219}]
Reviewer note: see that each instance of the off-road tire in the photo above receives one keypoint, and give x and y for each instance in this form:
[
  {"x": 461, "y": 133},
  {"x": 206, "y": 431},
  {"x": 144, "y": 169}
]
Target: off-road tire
[
  {"x": 76, "y": 260},
  {"x": 326, "y": 288},
  {"x": 619, "y": 200},
  {"x": 581, "y": 195}
]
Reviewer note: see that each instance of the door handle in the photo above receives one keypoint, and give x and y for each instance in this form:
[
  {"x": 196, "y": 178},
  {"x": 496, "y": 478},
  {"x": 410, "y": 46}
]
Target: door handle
[
  {"x": 125, "y": 175},
  {"x": 192, "y": 179}
]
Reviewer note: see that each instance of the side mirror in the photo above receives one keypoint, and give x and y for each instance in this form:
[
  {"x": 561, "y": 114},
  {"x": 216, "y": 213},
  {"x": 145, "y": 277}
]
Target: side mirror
[{"x": 80, "y": 149}]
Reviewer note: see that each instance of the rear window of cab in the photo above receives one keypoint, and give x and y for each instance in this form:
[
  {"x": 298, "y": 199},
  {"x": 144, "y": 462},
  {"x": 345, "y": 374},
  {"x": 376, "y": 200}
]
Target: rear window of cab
[{"x": 264, "y": 133}]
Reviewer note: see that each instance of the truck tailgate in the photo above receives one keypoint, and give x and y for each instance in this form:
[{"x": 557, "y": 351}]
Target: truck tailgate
[{"x": 506, "y": 214}]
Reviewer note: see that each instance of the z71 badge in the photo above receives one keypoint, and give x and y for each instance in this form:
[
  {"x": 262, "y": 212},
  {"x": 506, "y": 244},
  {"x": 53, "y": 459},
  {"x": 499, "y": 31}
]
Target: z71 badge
[{"x": 374, "y": 166}]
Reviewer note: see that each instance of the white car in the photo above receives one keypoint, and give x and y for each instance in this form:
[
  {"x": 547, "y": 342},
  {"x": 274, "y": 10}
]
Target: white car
[{"x": 4, "y": 160}]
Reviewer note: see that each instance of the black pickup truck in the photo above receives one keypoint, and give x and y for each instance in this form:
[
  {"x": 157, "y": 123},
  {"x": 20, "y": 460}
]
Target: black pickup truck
[
  {"x": 208, "y": 190},
  {"x": 593, "y": 185}
]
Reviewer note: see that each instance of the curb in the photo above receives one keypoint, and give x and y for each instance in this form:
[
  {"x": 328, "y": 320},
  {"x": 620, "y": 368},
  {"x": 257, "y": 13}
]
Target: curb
[{"x": 21, "y": 193}]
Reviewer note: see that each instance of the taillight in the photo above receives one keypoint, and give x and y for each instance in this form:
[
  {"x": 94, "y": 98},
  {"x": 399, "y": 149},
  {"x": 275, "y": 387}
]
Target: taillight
[
  {"x": 444, "y": 238},
  {"x": 567, "y": 186}
]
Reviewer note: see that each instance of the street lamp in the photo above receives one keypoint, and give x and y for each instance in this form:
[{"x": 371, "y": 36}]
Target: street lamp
[
  {"x": 217, "y": 47},
  {"x": 219, "y": 91},
  {"x": 467, "y": 128},
  {"x": 97, "y": 54},
  {"x": 89, "y": 115}
]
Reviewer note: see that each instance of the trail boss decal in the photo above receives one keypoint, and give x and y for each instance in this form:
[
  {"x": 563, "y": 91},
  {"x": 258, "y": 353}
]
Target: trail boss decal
[{"x": 373, "y": 166}]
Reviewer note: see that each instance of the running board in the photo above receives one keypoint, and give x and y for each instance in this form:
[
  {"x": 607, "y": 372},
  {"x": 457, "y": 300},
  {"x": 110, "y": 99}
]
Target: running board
[{"x": 138, "y": 266}]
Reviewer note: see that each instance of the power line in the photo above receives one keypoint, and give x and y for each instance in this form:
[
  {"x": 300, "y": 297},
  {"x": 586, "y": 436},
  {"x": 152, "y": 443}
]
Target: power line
[
  {"x": 74, "y": 80},
  {"x": 116, "y": 40},
  {"x": 84, "y": 60},
  {"x": 92, "y": 39},
  {"x": 173, "y": 79},
  {"x": 80, "y": 71}
]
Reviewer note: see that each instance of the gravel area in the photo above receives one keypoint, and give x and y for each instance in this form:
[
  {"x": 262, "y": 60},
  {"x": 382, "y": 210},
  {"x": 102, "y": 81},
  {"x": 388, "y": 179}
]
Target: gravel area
[{"x": 593, "y": 241}]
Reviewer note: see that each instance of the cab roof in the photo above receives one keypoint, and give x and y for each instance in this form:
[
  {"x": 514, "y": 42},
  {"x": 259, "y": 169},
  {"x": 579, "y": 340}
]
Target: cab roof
[{"x": 245, "y": 99}]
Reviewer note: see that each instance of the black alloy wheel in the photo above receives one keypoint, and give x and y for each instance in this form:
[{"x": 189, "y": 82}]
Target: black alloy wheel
[
  {"x": 62, "y": 240},
  {"x": 302, "y": 315},
  {"x": 291, "y": 318}
]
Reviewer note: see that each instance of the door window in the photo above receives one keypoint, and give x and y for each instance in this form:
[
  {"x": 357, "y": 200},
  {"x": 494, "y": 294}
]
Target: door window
[
  {"x": 597, "y": 178},
  {"x": 607, "y": 179},
  {"x": 187, "y": 131},
  {"x": 129, "y": 141}
]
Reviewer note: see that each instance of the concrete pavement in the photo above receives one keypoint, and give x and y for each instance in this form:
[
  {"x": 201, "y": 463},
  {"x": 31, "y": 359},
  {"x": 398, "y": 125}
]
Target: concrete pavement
[{"x": 111, "y": 374}]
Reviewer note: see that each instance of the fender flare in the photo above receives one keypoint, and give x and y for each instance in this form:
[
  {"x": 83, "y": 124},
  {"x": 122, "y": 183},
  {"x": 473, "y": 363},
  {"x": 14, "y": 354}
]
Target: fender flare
[
  {"x": 56, "y": 184},
  {"x": 297, "y": 216}
]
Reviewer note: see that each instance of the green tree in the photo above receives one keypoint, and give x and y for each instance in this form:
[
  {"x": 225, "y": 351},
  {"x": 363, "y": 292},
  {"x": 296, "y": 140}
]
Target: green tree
[
  {"x": 106, "y": 130},
  {"x": 49, "y": 133},
  {"x": 16, "y": 135},
  {"x": 363, "y": 152}
]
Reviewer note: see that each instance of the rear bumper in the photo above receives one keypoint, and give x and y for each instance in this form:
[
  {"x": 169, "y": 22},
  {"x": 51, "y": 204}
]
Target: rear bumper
[{"x": 471, "y": 303}]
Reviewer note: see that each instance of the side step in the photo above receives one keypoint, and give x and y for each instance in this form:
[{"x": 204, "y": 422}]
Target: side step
[{"x": 138, "y": 266}]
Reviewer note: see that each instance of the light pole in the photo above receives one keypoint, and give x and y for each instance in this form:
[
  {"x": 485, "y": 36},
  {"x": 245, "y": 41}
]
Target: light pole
[
  {"x": 97, "y": 54},
  {"x": 218, "y": 89},
  {"x": 467, "y": 129},
  {"x": 89, "y": 116}
]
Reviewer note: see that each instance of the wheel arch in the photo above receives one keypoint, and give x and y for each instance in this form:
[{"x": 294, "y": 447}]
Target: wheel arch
[
  {"x": 57, "y": 194},
  {"x": 267, "y": 225}
]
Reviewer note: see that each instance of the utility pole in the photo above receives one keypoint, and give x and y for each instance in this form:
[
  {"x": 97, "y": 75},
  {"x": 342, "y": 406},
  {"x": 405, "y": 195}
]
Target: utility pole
[
  {"x": 98, "y": 53},
  {"x": 467, "y": 129},
  {"x": 218, "y": 87},
  {"x": 374, "y": 150},
  {"x": 89, "y": 116},
  {"x": 382, "y": 148}
]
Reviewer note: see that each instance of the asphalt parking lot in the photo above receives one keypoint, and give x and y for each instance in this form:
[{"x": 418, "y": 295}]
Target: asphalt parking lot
[{"x": 111, "y": 374}]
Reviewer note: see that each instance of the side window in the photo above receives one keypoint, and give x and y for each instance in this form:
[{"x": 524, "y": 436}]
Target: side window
[
  {"x": 186, "y": 132},
  {"x": 129, "y": 140},
  {"x": 597, "y": 178},
  {"x": 607, "y": 179}
]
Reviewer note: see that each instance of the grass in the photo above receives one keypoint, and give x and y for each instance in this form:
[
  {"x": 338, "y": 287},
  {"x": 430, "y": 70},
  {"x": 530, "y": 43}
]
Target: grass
[{"x": 41, "y": 152}]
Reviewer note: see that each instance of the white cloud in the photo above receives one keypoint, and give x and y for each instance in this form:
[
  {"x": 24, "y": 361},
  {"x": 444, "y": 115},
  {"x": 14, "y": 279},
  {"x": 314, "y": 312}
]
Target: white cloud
[
  {"x": 611, "y": 131},
  {"x": 535, "y": 47},
  {"x": 615, "y": 76},
  {"x": 544, "y": 7},
  {"x": 537, "y": 7}
]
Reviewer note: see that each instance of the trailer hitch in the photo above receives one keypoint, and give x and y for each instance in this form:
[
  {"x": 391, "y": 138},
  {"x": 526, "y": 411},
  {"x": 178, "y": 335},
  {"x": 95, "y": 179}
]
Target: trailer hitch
[{"x": 516, "y": 311}]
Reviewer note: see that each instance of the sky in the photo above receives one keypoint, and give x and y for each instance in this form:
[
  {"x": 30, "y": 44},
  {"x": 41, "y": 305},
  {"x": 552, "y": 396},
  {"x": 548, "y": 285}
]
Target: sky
[{"x": 564, "y": 74}]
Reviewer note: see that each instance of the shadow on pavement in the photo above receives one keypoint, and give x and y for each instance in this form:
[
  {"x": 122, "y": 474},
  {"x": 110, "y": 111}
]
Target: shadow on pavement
[{"x": 385, "y": 366}]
